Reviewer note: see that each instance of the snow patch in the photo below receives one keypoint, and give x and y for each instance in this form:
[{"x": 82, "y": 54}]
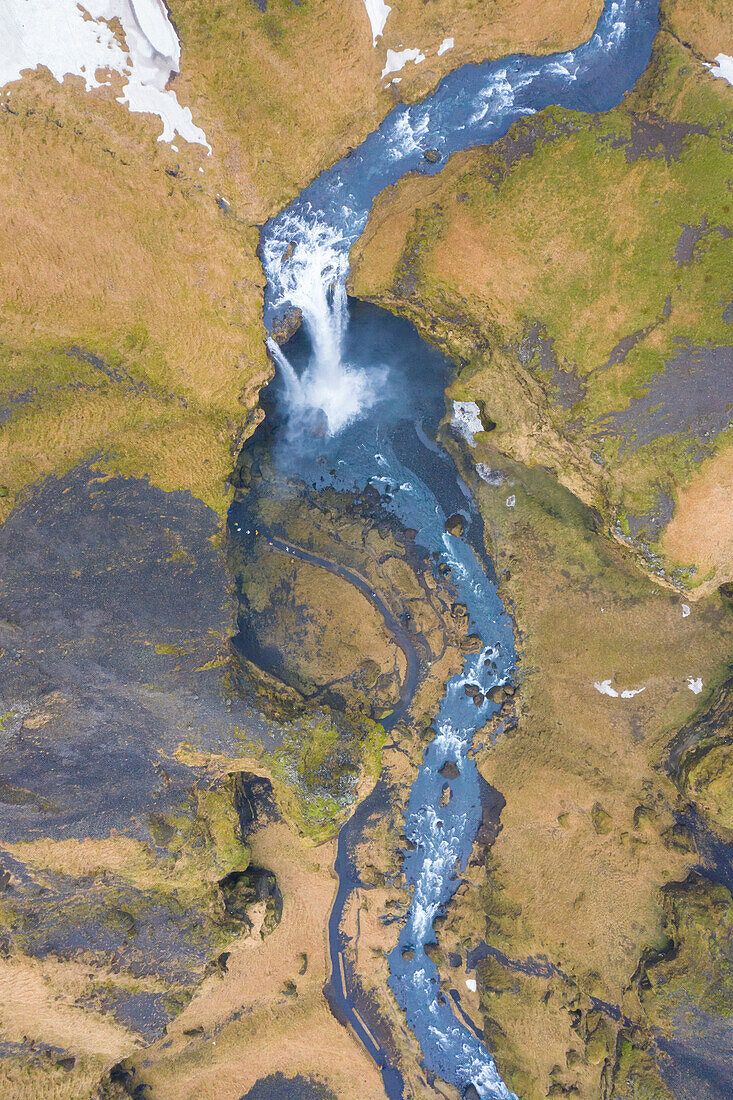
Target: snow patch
[
  {"x": 377, "y": 11},
  {"x": 511, "y": 501},
  {"x": 723, "y": 67},
  {"x": 695, "y": 685},
  {"x": 466, "y": 420},
  {"x": 685, "y": 610},
  {"x": 397, "y": 59},
  {"x": 605, "y": 688},
  {"x": 471, "y": 984},
  {"x": 71, "y": 40},
  {"x": 446, "y": 44},
  {"x": 491, "y": 477}
]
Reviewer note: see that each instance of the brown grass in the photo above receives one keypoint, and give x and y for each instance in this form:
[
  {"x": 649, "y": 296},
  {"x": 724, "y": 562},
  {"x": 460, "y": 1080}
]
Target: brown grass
[
  {"x": 701, "y": 529},
  {"x": 251, "y": 1027}
]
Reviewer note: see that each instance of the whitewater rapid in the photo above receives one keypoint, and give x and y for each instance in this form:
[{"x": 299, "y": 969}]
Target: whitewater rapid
[{"x": 344, "y": 406}]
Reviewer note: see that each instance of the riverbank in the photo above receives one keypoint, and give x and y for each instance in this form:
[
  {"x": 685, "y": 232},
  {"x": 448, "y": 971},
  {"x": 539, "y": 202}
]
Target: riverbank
[{"x": 625, "y": 397}]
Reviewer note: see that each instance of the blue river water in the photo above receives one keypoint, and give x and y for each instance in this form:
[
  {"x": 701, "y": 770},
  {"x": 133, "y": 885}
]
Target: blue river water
[{"x": 358, "y": 409}]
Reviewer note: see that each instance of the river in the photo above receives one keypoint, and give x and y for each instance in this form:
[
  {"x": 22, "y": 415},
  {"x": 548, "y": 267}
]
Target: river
[{"x": 359, "y": 399}]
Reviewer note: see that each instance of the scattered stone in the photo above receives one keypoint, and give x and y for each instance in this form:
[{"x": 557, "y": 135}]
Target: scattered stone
[
  {"x": 449, "y": 770},
  {"x": 445, "y": 795},
  {"x": 434, "y": 953},
  {"x": 472, "y": 689},
  {"x": 679, "y": 838},
  {"x": 456, "y": 524},
  {"x": 602, "y": 822},
  {"x": 432, "y": 156},
  {"x": 408, "y": 954}
]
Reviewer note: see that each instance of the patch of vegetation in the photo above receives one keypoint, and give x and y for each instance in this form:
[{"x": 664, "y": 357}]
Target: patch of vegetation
[
  {"x": 323, "y": 761},
  {"x": 696, "y": 969}
]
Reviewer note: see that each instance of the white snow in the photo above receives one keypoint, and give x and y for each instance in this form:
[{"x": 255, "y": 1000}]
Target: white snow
[
  {"x": 471, "y": 984},
  {"x": 695, "y": 685},
  {"x": 685, "y": 610},
  {"x": 69, "y": 39},
  {"x": 397, "y": 59},
  {"x": 377, "y": 11},
  {"x": 511, "y": 501},
  {"x": 446, "y": 44},
  {"x": 723, "y": 67},
  {"x": 466, "y": 420},
  {"x": 605, "y": 688},
  {"x": 491, "y": 477}
]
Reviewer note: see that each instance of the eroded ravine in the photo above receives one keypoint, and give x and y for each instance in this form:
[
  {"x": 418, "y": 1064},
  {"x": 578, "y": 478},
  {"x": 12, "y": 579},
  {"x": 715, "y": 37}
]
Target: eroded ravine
[{"x": 352, "y": 413}]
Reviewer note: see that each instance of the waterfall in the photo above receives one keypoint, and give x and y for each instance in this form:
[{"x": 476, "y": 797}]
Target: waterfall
[{"x": 311, "y": 272}]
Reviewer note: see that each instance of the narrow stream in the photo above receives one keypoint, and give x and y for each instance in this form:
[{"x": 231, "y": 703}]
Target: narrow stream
[{"x": 359, "y": 400}]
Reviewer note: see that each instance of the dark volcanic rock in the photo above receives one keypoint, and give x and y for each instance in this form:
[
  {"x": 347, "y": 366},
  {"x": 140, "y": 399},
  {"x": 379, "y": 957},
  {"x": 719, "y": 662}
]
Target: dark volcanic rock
[
  {"x": 455, "y": 524},
  {"x": 693, "y": 394},
  {"x": 276, "y": 1086},
  {"x": 449, "y": 770},
  {"x": 113, "y": 598}
]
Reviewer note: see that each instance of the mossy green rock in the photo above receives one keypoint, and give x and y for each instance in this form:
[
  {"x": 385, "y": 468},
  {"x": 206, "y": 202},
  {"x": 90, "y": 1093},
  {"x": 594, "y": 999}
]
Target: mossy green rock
[
  {"x": 697, "y": 968},
  {"x": 710, "y": 785}
]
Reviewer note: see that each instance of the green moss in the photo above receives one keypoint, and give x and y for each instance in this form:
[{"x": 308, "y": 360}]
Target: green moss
[
  {"x": 696, "y": 968},
  {"x": 710, "y": 784},
  {"x": 602, "y": 822},
  {"x": 322, "y": 757},
  {"x": 637, "y": 1076}
]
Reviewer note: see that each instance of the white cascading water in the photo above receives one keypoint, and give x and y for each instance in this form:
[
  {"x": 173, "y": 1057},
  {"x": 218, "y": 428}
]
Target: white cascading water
[{"x": 310, "y": 274}]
